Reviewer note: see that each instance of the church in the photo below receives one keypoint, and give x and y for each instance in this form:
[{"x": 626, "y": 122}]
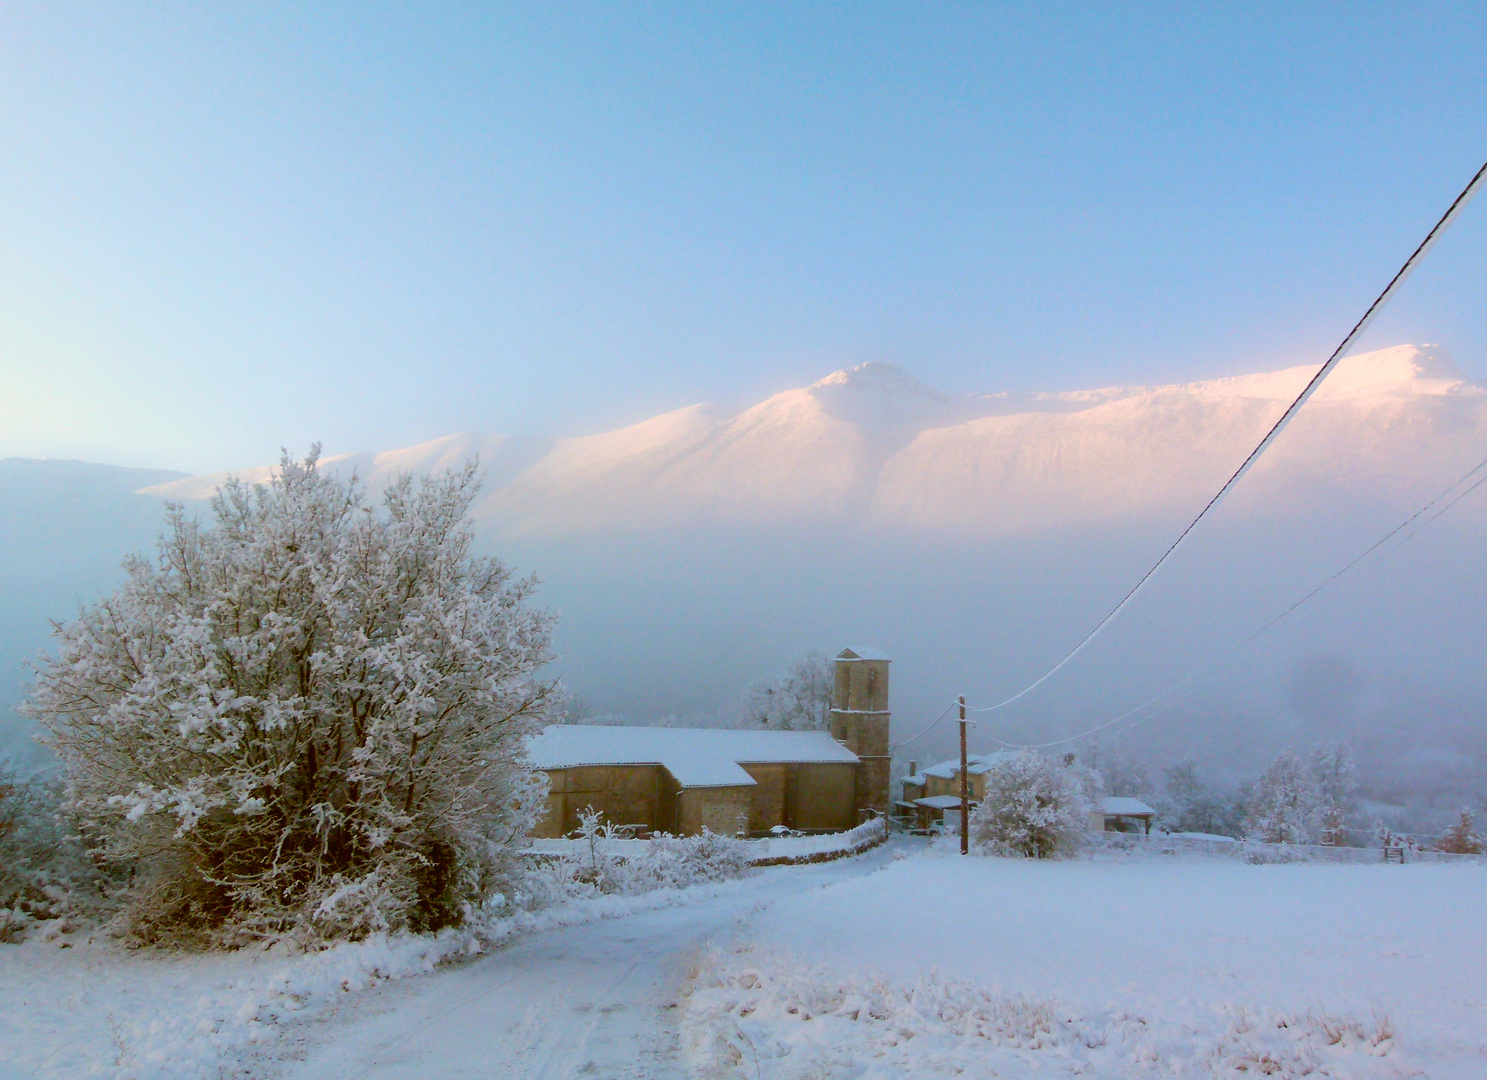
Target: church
[{"x": 735, "y": 782}]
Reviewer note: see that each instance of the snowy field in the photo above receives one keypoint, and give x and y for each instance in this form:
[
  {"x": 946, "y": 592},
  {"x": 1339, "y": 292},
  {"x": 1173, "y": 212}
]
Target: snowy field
[
  {"x": 1113, "y": 966},
  {"x": 92, "y": 1009},
  {"x": 903, "y": 962}
]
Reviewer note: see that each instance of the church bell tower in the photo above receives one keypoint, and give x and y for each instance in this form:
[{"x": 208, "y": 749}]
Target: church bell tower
[{"x": 859, "y": 721}]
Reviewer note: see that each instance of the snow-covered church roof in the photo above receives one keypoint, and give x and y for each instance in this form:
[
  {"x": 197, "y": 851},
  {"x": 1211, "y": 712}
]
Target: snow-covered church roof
[{"x": 696, "y": 757}]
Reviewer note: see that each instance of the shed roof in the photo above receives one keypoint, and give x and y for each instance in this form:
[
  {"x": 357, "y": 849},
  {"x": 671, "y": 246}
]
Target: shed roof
[
  {"x": 939, "y": 802},
  {"x": 696, "y": 757},
  {"x": 1121, "y": 806}
]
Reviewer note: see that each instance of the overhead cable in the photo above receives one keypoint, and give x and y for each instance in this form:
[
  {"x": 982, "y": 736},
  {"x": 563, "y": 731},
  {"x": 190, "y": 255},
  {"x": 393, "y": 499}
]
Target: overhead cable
[
  {"x": 1270, "y": 436},
  {"x": 926, "y": 730},
  {"x": 1238, "y": 647}
]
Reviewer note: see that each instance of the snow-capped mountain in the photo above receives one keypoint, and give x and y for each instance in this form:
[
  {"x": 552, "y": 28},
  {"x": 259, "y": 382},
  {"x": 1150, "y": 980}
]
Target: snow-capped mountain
[
  {"x": 695, "y": 552},
  {"x": 873, "y": 447}
]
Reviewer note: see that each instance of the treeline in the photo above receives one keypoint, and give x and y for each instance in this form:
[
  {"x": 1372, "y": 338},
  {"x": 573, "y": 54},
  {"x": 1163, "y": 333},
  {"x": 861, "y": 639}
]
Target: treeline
[{"x": 1294, "y": 801}]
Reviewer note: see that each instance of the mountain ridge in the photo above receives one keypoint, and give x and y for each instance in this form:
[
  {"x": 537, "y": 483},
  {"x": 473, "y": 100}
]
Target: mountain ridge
[{"x": 872, "y": 446}]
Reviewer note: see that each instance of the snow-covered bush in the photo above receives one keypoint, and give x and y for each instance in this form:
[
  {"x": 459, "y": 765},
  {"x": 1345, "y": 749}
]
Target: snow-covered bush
[
  {"x": 678, "y": 861},
  {"x": 665, "y": 861},
  {"x": 1462, "y": 838},
  {"x": 1033, "y": 807},
  {"x": 1284, "y": 806},
  {"x": 45, "y": 873},
  {"x": 311, "y": 717}
]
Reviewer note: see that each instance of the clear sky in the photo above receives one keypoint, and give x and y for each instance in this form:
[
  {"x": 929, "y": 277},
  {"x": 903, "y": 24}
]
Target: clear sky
[{"x": 224, "y": 229}]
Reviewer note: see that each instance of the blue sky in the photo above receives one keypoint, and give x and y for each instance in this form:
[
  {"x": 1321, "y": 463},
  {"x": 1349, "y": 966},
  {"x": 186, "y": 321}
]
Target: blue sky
[{"x": 226, "y": 230}]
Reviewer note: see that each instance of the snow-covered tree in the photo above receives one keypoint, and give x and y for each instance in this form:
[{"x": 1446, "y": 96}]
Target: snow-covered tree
[
  {"x": 309, "y": 717},
  {"x": 1033, "y": 807},
  {"x": 1462, "y": 838},
  {"x": 1283, "y": 808},
  {"x": 1336, "y": 783},
  {"x": 1192, "y": 805},
  {"x": 798, "y": 700},
  {"x": 1123, "y": 773}
]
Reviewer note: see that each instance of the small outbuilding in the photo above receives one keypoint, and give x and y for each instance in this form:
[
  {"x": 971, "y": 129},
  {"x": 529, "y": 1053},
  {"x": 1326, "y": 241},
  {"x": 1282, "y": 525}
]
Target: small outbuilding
[
  {"x": 932, "y": 808},
  {"x": 1118, "y": 813}
]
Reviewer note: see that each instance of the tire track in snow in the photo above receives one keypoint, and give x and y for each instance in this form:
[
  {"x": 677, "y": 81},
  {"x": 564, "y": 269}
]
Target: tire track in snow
[{"x": 593, "y": 1000}]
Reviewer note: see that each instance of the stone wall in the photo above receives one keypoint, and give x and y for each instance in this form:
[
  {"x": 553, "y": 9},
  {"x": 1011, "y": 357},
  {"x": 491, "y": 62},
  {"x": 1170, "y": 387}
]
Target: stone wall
[
  {"x": 628, "y": 795},
  {"x": 767, "y": 797},
  {"x": 813, "y": 797},
  {"x": 859, "y": 721},
  {"x": 821, "y": 796},
  {"x": 719, "y": 809}
]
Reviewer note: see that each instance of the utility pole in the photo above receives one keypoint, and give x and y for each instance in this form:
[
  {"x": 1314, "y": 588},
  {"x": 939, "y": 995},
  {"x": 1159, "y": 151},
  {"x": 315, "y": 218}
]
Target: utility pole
[{"x": 965, "y": 786}]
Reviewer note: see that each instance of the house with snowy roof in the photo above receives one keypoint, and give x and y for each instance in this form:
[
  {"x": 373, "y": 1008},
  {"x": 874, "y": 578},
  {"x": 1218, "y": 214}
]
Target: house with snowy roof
[
  {"x": 682, "y": 780},
  {"x": 929, "y": 793}
]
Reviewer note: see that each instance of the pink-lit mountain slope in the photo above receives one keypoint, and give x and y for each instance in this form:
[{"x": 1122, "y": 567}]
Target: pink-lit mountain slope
[{"x": 871, "y": 447}]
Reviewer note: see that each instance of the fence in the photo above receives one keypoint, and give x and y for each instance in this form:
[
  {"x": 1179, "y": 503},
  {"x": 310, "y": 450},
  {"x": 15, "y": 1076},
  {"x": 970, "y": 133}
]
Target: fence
[
  {"x": 1255, "y": 852},
  {"x": 770, "y": 851}
]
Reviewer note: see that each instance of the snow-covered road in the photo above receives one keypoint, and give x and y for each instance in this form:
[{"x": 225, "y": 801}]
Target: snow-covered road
[{"x": 596, "y": 1000}]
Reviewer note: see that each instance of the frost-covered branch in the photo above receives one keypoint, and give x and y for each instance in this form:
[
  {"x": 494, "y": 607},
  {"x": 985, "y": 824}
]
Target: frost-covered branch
[{"x": 310, "y": 716}]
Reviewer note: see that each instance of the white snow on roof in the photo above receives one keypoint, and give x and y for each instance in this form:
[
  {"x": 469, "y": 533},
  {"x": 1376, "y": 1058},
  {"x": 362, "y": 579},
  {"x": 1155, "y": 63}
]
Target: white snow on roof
[
  {"x": 918, "y": 779},
  {"x": 1117, "y": 804},
  {"x": 696, "y": 757},
  {"x": 854, "y": 653},
  {"x": 938, "y": 802},
  {"x": 976, "y": 764}
]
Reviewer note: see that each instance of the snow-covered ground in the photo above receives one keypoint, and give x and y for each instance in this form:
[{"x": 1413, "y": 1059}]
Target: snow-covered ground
[
  {"x": 766, "y": 850},
  {"x": 601, "y": 1000},
  {"x": 1113, "y": 966},
  {"x": 903, "y": 962},
  {"x": 90, "y": 1008}
]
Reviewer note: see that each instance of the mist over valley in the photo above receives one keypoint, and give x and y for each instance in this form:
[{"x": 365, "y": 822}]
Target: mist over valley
[{"x": 975, "y": 538}]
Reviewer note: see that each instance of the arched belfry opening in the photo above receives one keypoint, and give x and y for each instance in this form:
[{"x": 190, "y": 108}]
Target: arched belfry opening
[{"x": 859, "y": 721}]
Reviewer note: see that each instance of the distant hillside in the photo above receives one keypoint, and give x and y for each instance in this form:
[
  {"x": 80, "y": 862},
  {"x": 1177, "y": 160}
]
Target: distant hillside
[
  {"x": 974, "y": 537},
  {"x": 871, "y": 447}
]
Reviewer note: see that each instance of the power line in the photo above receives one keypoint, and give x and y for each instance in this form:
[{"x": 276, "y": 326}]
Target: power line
[
  {"x": 1235, "y": 649},
  {"x": 1433, "y": 517},
  {"x": 1270, "y": 436},
  {"x": 926, "y": 730}
]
